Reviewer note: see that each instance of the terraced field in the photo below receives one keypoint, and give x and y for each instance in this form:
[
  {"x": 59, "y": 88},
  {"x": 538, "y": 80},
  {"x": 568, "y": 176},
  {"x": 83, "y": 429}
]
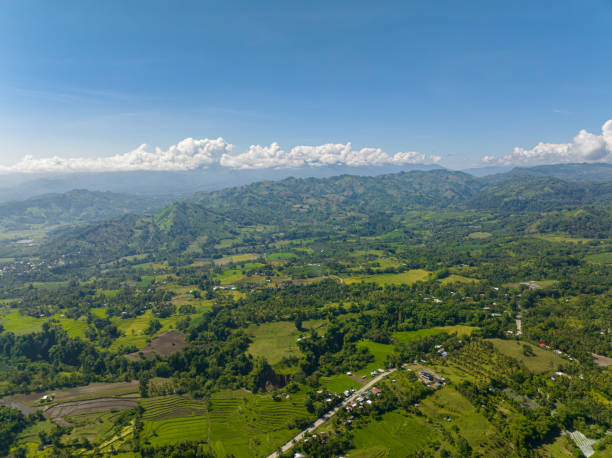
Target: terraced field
[
  {"x": 173, "y": 406},
  {"x": 174, "y": 430},
  {"x": 232, "y": 422}
]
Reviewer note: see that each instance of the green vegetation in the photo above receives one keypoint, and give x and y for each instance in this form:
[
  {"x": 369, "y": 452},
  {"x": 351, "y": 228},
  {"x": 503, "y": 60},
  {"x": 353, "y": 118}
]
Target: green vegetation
[
  {"x": 391, "y": 279},
  {"x": 278, "y": 340},
  {"x": 537, "y": 359},
  {"x": 226, "y": 323},
  {"x": 394, "y": 435},
  {"x": 21, "y": 324}
]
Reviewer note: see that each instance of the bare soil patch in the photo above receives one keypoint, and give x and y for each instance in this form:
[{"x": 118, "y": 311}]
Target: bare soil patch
[
  {"x": 164, "y": 344},
  {"x": 603, "y": 361}
]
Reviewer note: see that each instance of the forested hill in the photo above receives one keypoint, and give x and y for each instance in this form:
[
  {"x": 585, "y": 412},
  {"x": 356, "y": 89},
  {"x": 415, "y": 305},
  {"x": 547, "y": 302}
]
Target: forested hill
[
  {"x": 74, "y": 207},
  {"x": 339, "y": 205},
  {"x": 293, "y": 198},
  {"x": 598, "y": 172}
]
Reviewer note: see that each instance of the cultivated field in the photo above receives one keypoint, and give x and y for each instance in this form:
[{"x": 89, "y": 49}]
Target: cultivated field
[
  {"x": 59, "y": 412},
  {"x": 164, "y": 344},
  {"x": 403, "y": 278},
  {"x": 231, "y": 422},
  {"x": 395, "y": 435}
]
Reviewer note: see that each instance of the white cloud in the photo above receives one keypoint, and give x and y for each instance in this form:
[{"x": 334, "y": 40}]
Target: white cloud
[
  {"x": 585, "y": 147},
  {"x": 190, "y": 154},
  {"x": 273, "y": 156},
  {"x": 185, "y": 155}
]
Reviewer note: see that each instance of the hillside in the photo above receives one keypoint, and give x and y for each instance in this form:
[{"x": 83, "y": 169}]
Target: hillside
[
  {"x": 74, "y": 207},
  {"x": 339, "y": 205}
]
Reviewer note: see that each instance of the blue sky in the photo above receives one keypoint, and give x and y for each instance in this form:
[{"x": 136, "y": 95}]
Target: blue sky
[{"x": 459, "y": 80}]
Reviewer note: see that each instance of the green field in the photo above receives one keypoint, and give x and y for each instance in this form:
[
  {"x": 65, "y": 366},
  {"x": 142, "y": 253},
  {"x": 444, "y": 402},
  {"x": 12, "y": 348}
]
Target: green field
[
  {"x": 338, "y": 383},
  {"x": 447, "y": 403},
  {"x": 380, "y": 352},
  {"x": 230, "y": 276},
  {"x": 173, "y": 430},
  {"x": 74, "y": 328},
  {"x": 283, "y": 256},
  {"x": 20, "y": 324},
  {"x": 543, "y": 361},
  {"x": 563, "y": 238},
  {"x": 243, "y": 257},
  {"x": 405, "y": 337},
  {"x": 403, "y": 278},
  {"x": 600, "y": 258},
  {"x": 454, "y": 278},
  {"x": 232, "y": 422},
  {"x": 134, "y": 329},
  {"x": 395, "y": 435},
  {"x": 278, "y": 340},
  {"x": 480, "y": 235}
]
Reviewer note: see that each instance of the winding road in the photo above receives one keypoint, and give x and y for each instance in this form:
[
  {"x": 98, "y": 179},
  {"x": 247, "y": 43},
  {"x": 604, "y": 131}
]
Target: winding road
[{"x": 331, "y": 413}]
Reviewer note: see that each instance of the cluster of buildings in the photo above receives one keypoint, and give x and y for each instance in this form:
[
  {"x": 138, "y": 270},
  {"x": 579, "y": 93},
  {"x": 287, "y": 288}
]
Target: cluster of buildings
[{"x": 364, "y": 400}]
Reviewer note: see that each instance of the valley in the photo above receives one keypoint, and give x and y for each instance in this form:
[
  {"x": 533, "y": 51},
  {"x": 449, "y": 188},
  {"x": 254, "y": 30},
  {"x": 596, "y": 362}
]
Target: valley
[{"x": 228, "y": 323}]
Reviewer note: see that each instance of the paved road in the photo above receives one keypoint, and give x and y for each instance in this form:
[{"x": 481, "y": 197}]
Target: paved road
[{"x": 329, "y": 414}]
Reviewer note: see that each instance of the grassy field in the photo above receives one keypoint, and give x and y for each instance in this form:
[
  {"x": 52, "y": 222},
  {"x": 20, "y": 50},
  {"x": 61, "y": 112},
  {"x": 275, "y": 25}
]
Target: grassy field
[
  {"x": 283, "y": 256},
  {"x": 230, "y": 276},
  {"x": 563, "y": 238},
  {"x": 543, "y": 361},
  {"x": 277, "y": 340},
  {"x": 406, "y": 337},
  {"x": 339, "y": 383},
  {"x": 448, "y": 403},
  {"x": 134, "y": 329},
  {"x": 480, "y": 235},
  {"x": 562, "y": 448},
  {"x": 20, "y": 324},
  {"x": 600, "y": 258},
  {"x": 454, "y": 278},
  {"x": 409, "y": 277},
  {"x": 243, "y": 257},
  {"x": 395, "y": 435},
  {"x": 74, "y": 328},
  {"x": 380, "y": 352}
]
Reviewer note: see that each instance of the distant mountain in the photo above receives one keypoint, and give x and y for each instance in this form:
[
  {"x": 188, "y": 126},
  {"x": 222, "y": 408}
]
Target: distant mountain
[
  {"x": 74, "y": 207},
  {"x": 298, "y": 198},
  {"x": 298, "y": 208},
  {"x": 585, "y": 172},
  {"x": 489, "y": 170},
  {"x": 175, "y": 183}
]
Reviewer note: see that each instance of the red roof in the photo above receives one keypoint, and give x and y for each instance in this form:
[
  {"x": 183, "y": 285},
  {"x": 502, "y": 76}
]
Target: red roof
[
  {"x": 541, "y": 345},
  {"x": 375, "y": 390}
]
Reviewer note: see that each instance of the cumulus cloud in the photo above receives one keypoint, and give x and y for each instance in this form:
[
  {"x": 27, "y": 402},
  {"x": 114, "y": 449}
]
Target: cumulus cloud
[
  {"x": 190, "y": 154},
  {"x": 273, "y": 156},
  {"x": 585, "y": 147},
  {"x": 185, "y": 155}
]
